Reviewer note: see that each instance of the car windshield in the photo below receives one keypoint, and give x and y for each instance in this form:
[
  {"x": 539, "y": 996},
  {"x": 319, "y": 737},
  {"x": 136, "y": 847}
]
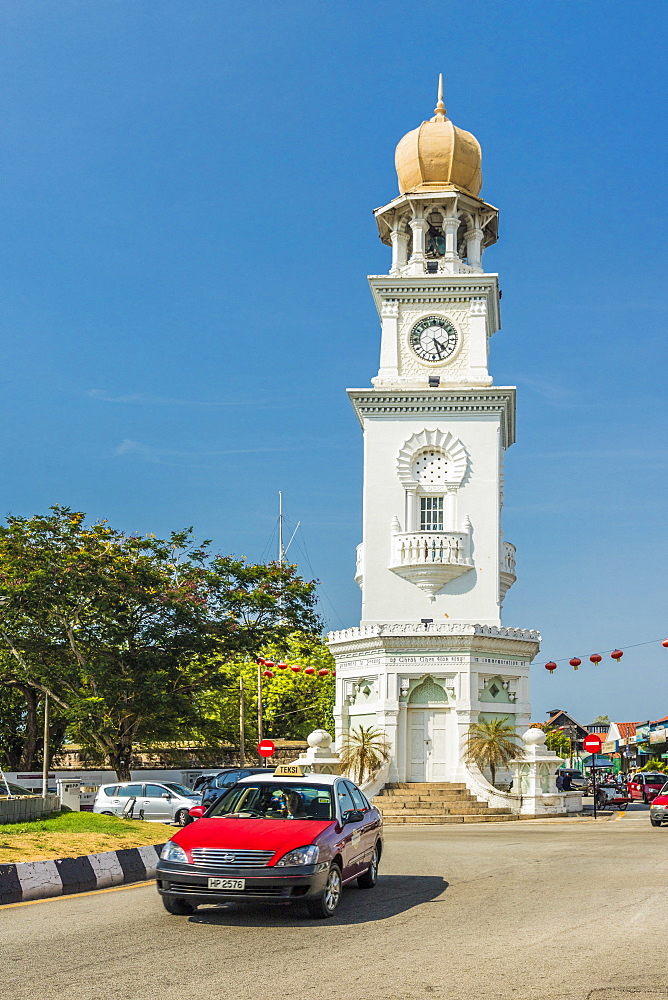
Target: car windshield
[
  {"x": 180, "y": 789},
  {"x": 654, "y": 779},
  {"x": 273, "y": 801}
]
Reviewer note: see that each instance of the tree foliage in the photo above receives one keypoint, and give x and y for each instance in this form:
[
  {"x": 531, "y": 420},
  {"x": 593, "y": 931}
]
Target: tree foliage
[
  {"x": 492, "y": 744},
  {"x": 123, "y": 632},
  {"x": 556, "y": 741},
  {"x": 293, "y": 704}
]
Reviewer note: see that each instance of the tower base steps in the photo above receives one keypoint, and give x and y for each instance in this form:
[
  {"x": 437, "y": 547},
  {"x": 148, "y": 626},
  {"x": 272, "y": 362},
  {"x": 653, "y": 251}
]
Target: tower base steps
[{"x": 428, "y": 803}]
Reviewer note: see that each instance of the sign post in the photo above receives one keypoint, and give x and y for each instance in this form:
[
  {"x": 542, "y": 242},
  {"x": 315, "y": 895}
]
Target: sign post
[
  {"x": 265, "y": 748},
  {"x": 592, "y": 743}
]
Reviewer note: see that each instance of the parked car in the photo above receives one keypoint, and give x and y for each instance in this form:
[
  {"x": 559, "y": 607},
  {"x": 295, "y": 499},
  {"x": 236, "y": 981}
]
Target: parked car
[
  {"x": 284, "y": 838},
  {"x": 155, "y": 801},
  {"x": 658, "y": 810},
  {"x": 203, "y": 779},
  {"x": 223, "y": 780},
  {"x": 646, "y": 785},
  {"x": 15, "y": 789}
]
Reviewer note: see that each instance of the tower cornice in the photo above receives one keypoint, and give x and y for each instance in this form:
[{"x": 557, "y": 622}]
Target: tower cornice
[
  {"x": 443, "y": 290},
  {"x": 438, "y": 403}
]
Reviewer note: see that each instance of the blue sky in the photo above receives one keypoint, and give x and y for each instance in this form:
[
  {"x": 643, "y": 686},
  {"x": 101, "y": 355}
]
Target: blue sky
[{"x": 186, "y": 190}]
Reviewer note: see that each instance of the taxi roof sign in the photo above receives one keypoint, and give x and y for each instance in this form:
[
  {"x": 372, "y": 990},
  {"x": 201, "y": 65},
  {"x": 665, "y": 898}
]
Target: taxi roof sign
[{"x": 289, "y": 771}]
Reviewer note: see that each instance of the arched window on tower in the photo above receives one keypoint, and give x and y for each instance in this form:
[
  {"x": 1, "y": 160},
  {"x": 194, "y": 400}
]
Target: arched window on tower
[{"x": 430, "y": 472}]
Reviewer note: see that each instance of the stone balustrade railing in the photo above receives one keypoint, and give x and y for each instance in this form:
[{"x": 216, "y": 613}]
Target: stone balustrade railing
[
  {"x": 425, "y": 547},
  {"x": 508, "y": 558}
]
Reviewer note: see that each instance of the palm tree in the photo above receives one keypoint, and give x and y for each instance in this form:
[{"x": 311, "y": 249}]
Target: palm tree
[
  {"x": 492, "y": 745},
  {"x": 364, "y": 750}
]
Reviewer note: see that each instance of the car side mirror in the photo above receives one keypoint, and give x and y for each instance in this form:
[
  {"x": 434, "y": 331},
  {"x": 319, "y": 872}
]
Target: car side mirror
[
  {"x": 352, "y": 816},
  {"x": 165, "y": 795},
  {"x": 197, "y": 811}
]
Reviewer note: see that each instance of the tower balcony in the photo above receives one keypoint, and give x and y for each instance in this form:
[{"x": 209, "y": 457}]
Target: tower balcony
[
  {"x": 359, "y": 569},
  {"x": 430, "y": 559},
  {"x": 507, "y": 574}
]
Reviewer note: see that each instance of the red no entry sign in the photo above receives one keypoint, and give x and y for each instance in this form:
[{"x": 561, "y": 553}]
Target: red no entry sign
[
  {"x": 592, "y": 743},
  {"x": 265, "y": 748}
]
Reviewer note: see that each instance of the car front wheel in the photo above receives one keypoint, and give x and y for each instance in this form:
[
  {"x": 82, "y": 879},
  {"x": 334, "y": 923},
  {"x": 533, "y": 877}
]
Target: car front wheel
[
  {"x": 655, "y": 822},
  {"x": 178, "y": 907},
  {"x": 370, "y": 876},
  {"x": 324, "y": 906}
]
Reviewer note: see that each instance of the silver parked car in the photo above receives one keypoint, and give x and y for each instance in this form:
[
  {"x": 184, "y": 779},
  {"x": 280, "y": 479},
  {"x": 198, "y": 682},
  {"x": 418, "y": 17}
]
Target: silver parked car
[{"x": 157, "y": 802}]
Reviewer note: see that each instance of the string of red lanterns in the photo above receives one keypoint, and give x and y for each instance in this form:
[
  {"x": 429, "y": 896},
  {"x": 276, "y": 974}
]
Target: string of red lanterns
[
  {"x": 595, "y": 658},
  {"x": 269, "y": 665}
]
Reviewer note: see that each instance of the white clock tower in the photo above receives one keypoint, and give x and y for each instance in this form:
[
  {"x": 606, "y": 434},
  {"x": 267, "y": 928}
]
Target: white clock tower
[{"x": 430, "y": 655}]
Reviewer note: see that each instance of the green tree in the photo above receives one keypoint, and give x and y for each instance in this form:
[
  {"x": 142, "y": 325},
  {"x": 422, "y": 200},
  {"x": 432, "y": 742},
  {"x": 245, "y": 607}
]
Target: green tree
[
  {"x": 364, "y": 750},
  {"x": 122, "y": 631},
  {"x": 556, "y": 741},
  {"x": 293, "y": 704},
  {"x": 492, "y": 744},
  {"x": 655, "y": 764},
  {"x": 17, "y": 744}
]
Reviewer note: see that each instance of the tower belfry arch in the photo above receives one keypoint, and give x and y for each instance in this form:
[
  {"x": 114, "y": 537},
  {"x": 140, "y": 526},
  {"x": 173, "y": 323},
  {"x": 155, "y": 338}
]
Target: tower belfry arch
[{"x": 433, "y": 564}]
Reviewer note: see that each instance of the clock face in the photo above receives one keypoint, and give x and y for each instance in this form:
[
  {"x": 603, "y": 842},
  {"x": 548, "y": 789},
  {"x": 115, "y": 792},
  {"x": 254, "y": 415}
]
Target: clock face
[{"x": 434, "y": 339}]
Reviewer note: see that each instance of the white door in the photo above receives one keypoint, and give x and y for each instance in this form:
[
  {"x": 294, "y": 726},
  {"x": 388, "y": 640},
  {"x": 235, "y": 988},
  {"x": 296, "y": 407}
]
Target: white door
[
  {"x": 427, "y": 745},
  {"x": 417, "y": 766}
]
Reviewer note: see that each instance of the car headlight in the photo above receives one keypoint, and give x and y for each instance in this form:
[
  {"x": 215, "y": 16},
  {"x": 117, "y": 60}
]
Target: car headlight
[
  {"x": 300, "y": 856},
  {"x": 172, "y": 852}
]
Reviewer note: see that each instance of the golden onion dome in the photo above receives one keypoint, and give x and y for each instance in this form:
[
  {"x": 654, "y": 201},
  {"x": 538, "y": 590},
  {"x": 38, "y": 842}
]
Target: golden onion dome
[{"x": 438, "y": 156}]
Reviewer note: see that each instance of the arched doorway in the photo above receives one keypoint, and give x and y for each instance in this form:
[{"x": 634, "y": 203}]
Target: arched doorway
[{"x": 427, "y": 732}]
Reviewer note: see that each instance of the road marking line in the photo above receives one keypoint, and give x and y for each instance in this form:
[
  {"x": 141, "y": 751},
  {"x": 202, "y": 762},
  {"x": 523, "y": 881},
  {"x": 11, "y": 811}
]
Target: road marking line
[
  {"x": 77, "y": 895},
  {"x": 620, "y": 815}
]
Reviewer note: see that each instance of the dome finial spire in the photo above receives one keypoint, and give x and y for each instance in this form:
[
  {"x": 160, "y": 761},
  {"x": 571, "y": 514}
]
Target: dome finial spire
[{"x": 439, "y": 110}]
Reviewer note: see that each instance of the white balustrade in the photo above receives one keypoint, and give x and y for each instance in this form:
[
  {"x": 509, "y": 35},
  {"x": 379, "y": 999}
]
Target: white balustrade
[
  {"x": 423, "y": 547},
  {"x": 359, "y": 569},
  {"x": 508, "y": 558}
]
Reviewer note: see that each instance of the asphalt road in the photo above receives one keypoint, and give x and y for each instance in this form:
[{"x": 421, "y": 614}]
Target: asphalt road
[{"x": 546, "y": 909}]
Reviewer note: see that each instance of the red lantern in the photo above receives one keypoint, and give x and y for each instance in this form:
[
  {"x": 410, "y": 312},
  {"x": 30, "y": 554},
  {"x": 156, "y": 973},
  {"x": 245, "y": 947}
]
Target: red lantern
[
  {"x": 323, "y": 673},
  {"x": 551, "y": 666},
  {"x": 259, "y": 661},
  {"x": 595, "y": 657},
  {"x": 309, "y": 670},
  {"x": 267, "y": 673},
  {"x": 616, "y": 654},
  {"x": 282, "y": 666},
  {"x": 333, "y": 673},
  {"x": 575, "y": 662},
  {"x": 268, "y": 663},
  {"x": 295, "y": 669},
  {"x": 665, "y": 643}
]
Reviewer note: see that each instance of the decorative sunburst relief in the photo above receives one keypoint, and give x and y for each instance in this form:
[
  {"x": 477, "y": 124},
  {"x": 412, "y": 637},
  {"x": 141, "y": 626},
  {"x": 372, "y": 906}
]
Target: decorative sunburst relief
[{"x": 433, "y": 459}]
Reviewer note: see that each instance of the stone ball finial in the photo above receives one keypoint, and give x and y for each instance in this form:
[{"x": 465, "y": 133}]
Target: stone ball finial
[
  {"x": 534, "y": 737},
  {"x": 319, "y": 738}
]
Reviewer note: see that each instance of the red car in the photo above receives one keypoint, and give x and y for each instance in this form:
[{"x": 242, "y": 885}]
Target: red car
[
  {"x": 658, "y": 811},
  {"x": 289, "y": 837},
  {"x": 646, "y": 785}
]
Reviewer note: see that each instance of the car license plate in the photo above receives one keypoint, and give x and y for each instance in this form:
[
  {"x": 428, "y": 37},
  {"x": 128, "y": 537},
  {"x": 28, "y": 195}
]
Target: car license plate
[{"x": 227, "y": 883}]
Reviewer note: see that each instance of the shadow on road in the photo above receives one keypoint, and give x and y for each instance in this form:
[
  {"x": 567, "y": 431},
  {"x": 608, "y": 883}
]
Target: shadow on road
[{"x": 394, "y": 894}]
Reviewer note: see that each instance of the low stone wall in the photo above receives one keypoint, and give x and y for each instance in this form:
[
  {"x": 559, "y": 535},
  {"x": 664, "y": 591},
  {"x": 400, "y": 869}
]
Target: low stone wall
[
  {"x": 22, "y": 808},
  {"x": 42, "y": 879}
]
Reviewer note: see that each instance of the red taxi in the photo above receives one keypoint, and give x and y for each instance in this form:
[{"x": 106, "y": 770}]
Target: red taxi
[
  {"x": 646, "y": 785},
  {"x": 292, "y": 836}
]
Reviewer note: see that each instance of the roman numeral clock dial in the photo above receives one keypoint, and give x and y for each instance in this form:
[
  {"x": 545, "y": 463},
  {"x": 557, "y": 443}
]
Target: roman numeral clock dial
[{"x": 434, "y": 339}]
